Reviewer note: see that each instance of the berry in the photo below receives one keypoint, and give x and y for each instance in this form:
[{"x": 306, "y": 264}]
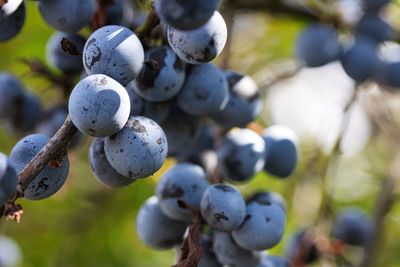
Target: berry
[
  {"x": 99, "y": 106},
  {"x": 50, "y": 179},
  {"x": 222, "y": 207},
  {"x": 201, "y": 45},
  {"x": 138, "y": 150},
  {"x": 12, "y": 18},
  {"x": 114, "y": 51},
  {"x": 11, "y": 91},
  {"x": 180, "y": 189},
  {"x": 8, "y": 179},
  {"x": 267, "y": 198}
]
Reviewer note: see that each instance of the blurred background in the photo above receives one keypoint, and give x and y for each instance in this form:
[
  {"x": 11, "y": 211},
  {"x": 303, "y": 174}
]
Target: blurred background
[{"x": 88, "y": 224}]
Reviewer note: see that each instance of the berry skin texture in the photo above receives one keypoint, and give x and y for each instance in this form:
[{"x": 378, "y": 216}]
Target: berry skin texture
[
  {"x": 102, "y": 169},
  {"x": 360, "y": 60},
  {"x": 184, "y": 184},
  {"x": 155, "y": 229},
  {"x": 186, "y": 15},
  {"x": 318, "y": 45},
  {"x": 244, "y": 103},
  {"x": 138, "y": 150},
  {"x": 67, "y": 15},
  {"x": 208, "y": 258},
  {"x": 263, "y": 227},
  {"x": 201, "y": 45},
  {"x": 204, "y": 92},
  {"x": 388, "y": 74},
  {"x": 268, "y": 198},
  {"x": 12, "y": 18},
  {"x": 223, "y": 207},
  {"x": 11, "y": 91},
  {"x": 8, "y": 179},
  {"x": 353, "y": 227},
  {"x": 99, "y": 106},
  {"x": 50, "y": 179},
  {"x": 230, "y": 254},
  {"x": 114, "y": 51},
  {"x": 56, "y": 56},
  {"x": 162, "y": 78},
  {"x": 281, "y": 153},
  {"x": 241, "y": 155},
  {"x": 372, "y": 27}
]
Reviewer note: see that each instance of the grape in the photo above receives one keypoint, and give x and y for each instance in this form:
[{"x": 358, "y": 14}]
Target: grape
[
  {"x": 301, "y": 241},
  {"x": 12, "y": 18},
  {"x": 70, "y": 64},
  {"x": 273, "y": 261},
  {"x": 102, "y": 169},
  {"x": 10, "y": 253},
  {"x": 52, "y": 121},
  {"x": 229, "y": 253},
  {"x": 11, "y": 92},
  {"x": 241, "y": 155},
  {"x": 372, "y": 27},
  {"x": 162, "y": 78},
  {"x": 8, "y": 179},
  {"x": 157, "y": 230},
  {"x": 27, "y": 116},
  {"x": 186, "y": 15},
  {"x": 268, "y": 198},
  {"x": 114, "y": 51},
  {"x": 222, "y": 207},
  {"x": 185, "y": 184},
  {"x": 208, "y": 258},
  {"x": 263, "y": 227},
  {"x": 204, "y": 92},
  {"x": 353, "y": 227},
  {"x": 99, "y": 106},
  {"x": 374, "y": 5},
  {"x": 67, "y": 15},
  {"x": 280, "y": 150},
  {"x": 138, "y": 150},
  {"x": 120, "y": 12},
  {"x": 181, "y": 130},
  {"x": 360, "y": 60},
  {"x": 50, "y": 179},
  {"x": 200, "y": 45},
  {"x": 202, "y": 142},
  {"x": 318, "y": 45},
  {"x": 244, "y": 103}
]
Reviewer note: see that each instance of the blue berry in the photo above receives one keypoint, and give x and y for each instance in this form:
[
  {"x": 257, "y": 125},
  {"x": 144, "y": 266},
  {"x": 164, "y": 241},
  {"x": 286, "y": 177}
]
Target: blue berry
[
  {"x": 204, "y": 92},
  {"x": 11, "y": 91},
  {"x": 200, "y": 45},
  {"x": 302, "y": 241},
  {"x": 208, "y": 258},
  {"x": 230, "y": 254},
  {"x": 186, "y": 15},
  {"x": 223, "y": 207},
  {"x": 102, "y": 169},
  {"x": 281, "y": 152},
  {"x": 360, "y": 60},
  {"x": 263, "y": 227},
  {"x": 274, "y": 261},
  {"x": 374, "y": 5},
  {"x": 67, "y": 15},
  {"x": 139, "y": 149},
  {"x": 318, "y": 45},
  {"x": 50, "y": 179},
  {"x": 372, "y": 27},
  {"x": 162, "y": 77},
  {"x": 114, "y": 51},
  {"x": 99, "y": 106},
  {"x": 56, "y": 56},
  {"x": 388, "y": 74},
  {"x": 12, "y": 18},
  {"x": 120, "y": 12},
  {"x": 241, "y": 155},
  {"x": 353, "y": 227},
  {"x": 244, "y": 103},
  {"x": 155, "y": 229},
  {"x": 180, "y": 190},
  {"x": 8, "y": 179}
]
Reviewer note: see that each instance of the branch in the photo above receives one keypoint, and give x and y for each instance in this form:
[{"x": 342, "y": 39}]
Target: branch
[
  {"x": 3, "y": 2},
  {"x": 144, "y": 32}
]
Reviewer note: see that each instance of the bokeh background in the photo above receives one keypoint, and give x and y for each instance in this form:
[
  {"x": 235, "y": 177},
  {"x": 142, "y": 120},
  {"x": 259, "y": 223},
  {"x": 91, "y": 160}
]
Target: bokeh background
[{"x": 87, "y": 224}]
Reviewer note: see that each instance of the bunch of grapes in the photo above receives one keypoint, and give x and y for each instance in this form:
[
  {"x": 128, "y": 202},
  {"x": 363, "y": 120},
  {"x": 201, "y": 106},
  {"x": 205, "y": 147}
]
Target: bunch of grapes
[{"x": 154, "y": 94}]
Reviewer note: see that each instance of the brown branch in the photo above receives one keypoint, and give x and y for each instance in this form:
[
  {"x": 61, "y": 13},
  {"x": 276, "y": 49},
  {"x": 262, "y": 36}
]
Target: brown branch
[
  {"x": 383, "y": 205},
  {"x": 190, "y": 251},
  {"x": 100, "y": 17},
  {"x": 3, "y": 2}
]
